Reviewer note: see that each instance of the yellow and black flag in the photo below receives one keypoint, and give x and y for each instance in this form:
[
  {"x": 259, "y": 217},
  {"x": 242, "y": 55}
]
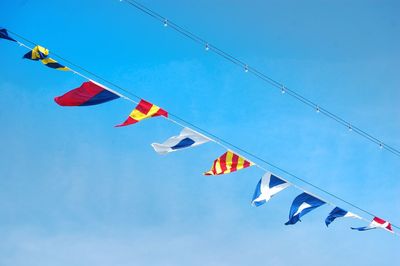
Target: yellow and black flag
[
  {"x": 54, "y": 64},
  {"x": 37, "y": 53},
  {"x": 41, "y": 53}
]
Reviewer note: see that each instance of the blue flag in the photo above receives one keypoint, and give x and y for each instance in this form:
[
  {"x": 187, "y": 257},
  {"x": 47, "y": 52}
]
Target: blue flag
[
  {"x": 4, "y": 35},
  {"x": 268, "y": 186},
  {"x": 337, "y": 213},
  {"x": 302, "y": 204}
]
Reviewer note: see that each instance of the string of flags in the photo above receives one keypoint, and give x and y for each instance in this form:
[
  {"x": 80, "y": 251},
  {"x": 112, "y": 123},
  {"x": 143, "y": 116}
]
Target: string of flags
[{"x": 94, "y": 93}]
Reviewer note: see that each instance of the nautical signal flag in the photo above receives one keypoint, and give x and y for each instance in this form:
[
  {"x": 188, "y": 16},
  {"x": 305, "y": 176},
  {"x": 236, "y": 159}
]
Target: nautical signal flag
[
  {"x": 302, "y": 204},
  {"x": 49, "y": 62},
  {"x": 4, "y": 35},
  {"x": 37, "y": 53},
  {"x": 89, "y": 93},
  {"x": 376, "y": 223},
  {"x": 227, "y": 163},
  {"x": 187, "y": 138},
  {"x": 268, "y": 186},
  {"x": 337, "y": 213},
  {"x": 41, "y": 53},
  {"x": 142, "y": 111}
]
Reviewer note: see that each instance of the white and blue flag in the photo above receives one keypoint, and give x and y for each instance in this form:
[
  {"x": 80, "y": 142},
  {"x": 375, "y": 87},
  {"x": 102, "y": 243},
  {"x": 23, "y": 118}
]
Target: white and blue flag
[
  {"x": 187, "y": 138},
  {"x": 337, "y": 213},
  {"x": 302, "y": 204},
  {"x": 268, "y": 186}
]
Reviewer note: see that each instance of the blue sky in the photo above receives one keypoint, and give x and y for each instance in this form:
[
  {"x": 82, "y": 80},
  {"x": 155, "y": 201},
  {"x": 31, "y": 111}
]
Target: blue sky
[{"x": 74, "y": 190}]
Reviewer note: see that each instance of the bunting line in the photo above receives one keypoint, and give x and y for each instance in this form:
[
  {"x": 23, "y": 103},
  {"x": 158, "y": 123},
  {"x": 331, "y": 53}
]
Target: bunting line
[
  {"x": 219, "y": 141},
  {"x": 280, "y": 86}
]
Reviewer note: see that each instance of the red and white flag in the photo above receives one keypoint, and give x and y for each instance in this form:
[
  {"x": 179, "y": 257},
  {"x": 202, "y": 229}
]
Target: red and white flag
[{"x": 376, "y": 223}]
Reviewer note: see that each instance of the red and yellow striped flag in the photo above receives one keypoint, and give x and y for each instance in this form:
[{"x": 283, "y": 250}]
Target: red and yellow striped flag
[
  {"x": 227, "y": 163},
  {"x": 142, "y": 111}
]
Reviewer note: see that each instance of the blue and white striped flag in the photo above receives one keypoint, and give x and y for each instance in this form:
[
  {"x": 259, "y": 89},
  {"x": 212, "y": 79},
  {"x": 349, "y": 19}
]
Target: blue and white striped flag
[
  {"x": 187, "y": 138},
  {"x": 268, "y": 186}
]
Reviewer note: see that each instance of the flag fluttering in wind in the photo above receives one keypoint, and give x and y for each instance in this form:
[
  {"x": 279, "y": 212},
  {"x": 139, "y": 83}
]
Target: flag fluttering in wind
[
  {"x": 268, "y": 186},
  {"x": 187, "y": 138},
  {"x": 41, "y": 53},
  {"x": 376, "y": 223},
  {"x": 142, "y": 111},
  {"x": 49, "y": 62},
  {"x": 337, "y": 213},
  {"x": 89, "y": 93},
  {"x": 4, "y": 35},
  {"x": 227, "y": 163},
  {"x": 37, "y": 53},
  {"x": 302, "y": 204}
]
